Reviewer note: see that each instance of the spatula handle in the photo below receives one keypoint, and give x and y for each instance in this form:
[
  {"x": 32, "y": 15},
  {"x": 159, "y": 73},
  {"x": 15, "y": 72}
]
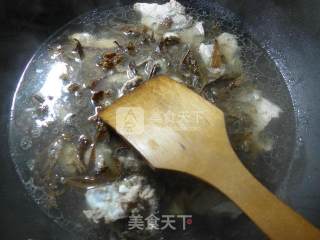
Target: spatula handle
[{"x": 272, "y": 216}]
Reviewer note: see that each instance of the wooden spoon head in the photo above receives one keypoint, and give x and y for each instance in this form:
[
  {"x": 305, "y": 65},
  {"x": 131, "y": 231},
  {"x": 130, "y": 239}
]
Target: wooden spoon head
[
  {"x": 176, "y": 129},
  {"x": 170, "y": 125}
]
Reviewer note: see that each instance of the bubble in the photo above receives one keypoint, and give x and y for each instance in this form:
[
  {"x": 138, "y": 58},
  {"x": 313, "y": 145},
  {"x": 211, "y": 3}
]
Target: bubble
[
  {"x": 36, "y": 132},
  {"x": 69, "y": 119},
  {"x": 54, "y": 150},
  {"x": 30, "y": 164},
  {"x": 55, "y": 131},
  {"x": 26, "y": 143}
]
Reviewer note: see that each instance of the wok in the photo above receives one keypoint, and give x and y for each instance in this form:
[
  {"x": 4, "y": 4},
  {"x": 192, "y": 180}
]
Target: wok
[{"x": 288, "y": 31}]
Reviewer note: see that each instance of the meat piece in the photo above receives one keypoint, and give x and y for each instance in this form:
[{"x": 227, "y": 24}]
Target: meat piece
[
  {"x": 193, "y": 35},
  {"x": 88, "y": 40},
  {"x": 115, "y": 201},
  {"x": 229, "y": 47},
  {"x": 130, "y": 161},
  {"x": 265, "y": 110},
  {"x": 230, "y": 55},
  {"x": 260, "y": 110},
  {"x": 230, "y": 51},
  {"x": 104, "y": 158},
  {"x": 155, "y": 16},
  {"x": 66, "y": 154},
  {"x": 205, "y": 51}
]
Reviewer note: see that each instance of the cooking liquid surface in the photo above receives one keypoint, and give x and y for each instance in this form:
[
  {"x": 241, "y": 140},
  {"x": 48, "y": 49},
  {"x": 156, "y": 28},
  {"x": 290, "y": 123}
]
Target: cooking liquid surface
[{"x": 33, "y": 131}]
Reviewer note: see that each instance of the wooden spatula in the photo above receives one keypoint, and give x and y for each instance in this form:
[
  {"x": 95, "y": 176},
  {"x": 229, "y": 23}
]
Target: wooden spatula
[{"x": 176, "y": 129}]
